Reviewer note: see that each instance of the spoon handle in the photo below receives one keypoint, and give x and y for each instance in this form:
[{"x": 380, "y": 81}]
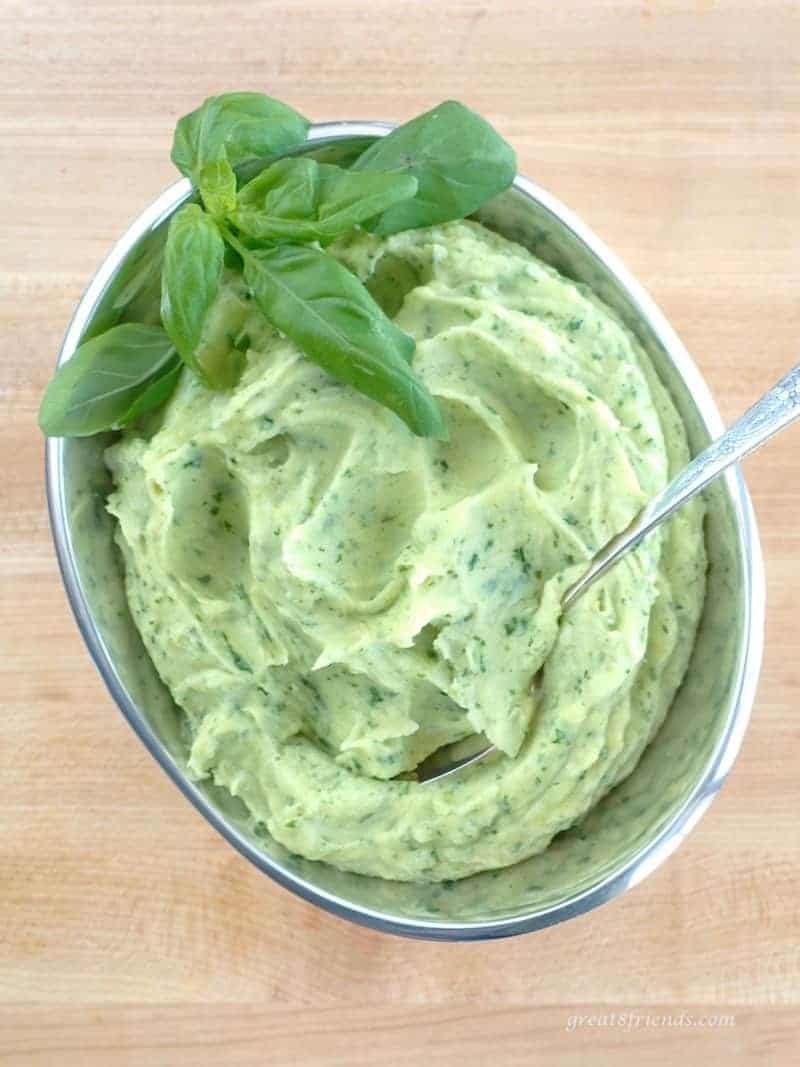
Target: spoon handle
[{"x": 773, "y": 412}]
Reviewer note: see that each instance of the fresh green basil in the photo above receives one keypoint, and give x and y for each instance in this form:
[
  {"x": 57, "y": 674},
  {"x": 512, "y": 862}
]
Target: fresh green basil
[
  {"x": 440, "y": 166},
  {"x": 300, "y": 200},
  {"x": 458, "y": 159},
  {"x": 193, "y": 260},
  {"x": 347, "y": 198},
  {"x": 237, "y": 127},
  {"x": 154, "y": 395},
  {"x": 317, "y": 303},
  {"x": 109, "y": 381},
  {"x": 287, "y": 189},
  {"x": 217, "y": 184}
]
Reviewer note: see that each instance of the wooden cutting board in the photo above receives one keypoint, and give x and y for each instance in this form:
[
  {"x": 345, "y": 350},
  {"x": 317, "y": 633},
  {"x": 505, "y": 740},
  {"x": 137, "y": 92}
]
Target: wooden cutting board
[{"x": 130, "y": 933}]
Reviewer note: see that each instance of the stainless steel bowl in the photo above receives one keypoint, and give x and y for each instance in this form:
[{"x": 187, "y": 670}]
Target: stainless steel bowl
[{"x": 633, "y": 829}]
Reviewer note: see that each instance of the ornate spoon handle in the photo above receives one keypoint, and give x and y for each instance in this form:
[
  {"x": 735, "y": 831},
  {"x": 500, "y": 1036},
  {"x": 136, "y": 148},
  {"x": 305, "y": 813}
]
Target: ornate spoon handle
[{"x": 774, "y": 411}]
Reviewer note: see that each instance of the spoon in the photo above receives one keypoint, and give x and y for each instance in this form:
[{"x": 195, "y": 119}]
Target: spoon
[{"x": 776, "y": 409}]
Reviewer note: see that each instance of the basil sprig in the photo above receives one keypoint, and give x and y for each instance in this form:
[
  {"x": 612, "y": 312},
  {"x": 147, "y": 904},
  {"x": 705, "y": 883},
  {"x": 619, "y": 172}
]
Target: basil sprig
[{"x": 440, "y": 166}]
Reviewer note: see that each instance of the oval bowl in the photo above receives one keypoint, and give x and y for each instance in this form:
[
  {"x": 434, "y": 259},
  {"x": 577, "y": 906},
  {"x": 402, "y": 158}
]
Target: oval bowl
[{"x": 633, "y": 829}]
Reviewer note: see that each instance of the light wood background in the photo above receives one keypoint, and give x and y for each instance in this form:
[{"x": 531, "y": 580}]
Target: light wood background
[{"x": 129, "y": 932}]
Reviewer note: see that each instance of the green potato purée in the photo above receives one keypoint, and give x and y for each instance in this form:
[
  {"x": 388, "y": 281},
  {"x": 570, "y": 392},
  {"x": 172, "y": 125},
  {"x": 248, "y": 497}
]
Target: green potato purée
[{"x": 330, "y": 598}]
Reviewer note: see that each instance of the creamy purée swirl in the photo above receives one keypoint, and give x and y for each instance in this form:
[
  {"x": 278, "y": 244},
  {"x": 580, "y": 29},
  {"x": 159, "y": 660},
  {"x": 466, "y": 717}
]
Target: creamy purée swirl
[{"x": 330, "y": 598}]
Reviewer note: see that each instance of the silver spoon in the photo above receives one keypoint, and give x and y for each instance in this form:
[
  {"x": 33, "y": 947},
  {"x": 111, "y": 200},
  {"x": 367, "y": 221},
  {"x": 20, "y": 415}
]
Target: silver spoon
[{"x": 776, "y": 409}]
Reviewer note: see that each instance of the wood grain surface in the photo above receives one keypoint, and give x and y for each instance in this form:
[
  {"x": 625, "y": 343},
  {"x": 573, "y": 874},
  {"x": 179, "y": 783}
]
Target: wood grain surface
[{"x": 130, "y": 933}]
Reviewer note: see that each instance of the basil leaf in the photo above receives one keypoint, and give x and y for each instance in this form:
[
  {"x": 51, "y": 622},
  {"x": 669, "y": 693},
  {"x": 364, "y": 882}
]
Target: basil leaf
[
  {"x": 109, "y": 381},
  {"x": 193, "y": 260},
  {"x": 346, "y": 198},
  {"x": 237, "y": 127},
  {"x": 217, "y": 185},
  {"x": 287, "y": 189},
  {"x": 299, "y": 200},
  {"x": 459, "y": 162},
  {"x": 154, "y": 395},
  {"x": 326, "y": 311}
]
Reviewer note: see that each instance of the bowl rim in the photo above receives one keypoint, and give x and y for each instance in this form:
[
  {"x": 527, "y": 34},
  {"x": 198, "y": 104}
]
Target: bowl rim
[{"x": 649, "y": 856}]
